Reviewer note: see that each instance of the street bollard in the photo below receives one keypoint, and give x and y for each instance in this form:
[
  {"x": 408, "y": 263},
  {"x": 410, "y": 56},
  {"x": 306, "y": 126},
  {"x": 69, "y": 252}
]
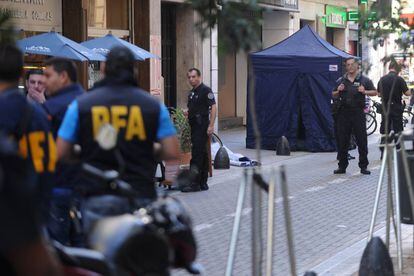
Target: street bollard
[
  {"x": 282, "y": 146},
  {"x": 376, "y": 259},
  {"x": 222, "y": 160}
]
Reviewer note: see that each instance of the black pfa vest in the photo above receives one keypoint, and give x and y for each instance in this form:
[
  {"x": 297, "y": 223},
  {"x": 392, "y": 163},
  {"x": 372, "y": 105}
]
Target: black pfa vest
[
  {"x": 350, "y": 97},
  {"x": 136, "y": 116}
]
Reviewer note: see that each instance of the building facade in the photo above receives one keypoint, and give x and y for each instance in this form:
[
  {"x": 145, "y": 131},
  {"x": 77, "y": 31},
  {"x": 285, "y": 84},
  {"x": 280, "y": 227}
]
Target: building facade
[
  {"x": 329, "y": 19},
  {"x": 167, "y": 28}
]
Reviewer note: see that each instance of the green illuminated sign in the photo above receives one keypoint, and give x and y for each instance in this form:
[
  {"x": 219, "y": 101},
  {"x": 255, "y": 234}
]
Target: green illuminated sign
[
  {"x": 335, "y": 16},
  {"x": 353, "y": 16}
]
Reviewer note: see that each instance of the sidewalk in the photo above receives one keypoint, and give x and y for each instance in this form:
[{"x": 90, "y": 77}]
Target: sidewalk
[
  {"x": 330, "y": 213},
  {"x": 347, "y": 261}
]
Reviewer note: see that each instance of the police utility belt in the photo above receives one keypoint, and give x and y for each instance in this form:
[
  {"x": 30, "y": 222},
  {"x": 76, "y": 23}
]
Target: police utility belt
[{"x": 199, "y": 118}]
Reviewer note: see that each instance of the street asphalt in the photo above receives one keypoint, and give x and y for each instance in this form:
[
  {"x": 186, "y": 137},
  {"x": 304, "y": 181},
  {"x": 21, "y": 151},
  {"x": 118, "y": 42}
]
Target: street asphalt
[{"x": 330, "y": 213}]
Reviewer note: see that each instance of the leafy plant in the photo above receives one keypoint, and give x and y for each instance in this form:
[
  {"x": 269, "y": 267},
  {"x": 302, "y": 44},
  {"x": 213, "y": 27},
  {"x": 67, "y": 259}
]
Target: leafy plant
[
  {"x": 240, "y": 22},
  {"x": 183, "y": 129},
  {"x": 378, "y": 21}
]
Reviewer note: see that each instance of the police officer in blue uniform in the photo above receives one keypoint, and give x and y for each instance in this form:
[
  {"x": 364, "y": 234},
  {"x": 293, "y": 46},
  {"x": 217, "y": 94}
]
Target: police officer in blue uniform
[
  {"x": 201, "y": 116},
  {"x": 21, "y": 245},
  {"x": 62, "y": 88},
  {"x": 140, "y": 120},
  {"x": 27, "y": 123},
  {"x": 351, "y": 90}
]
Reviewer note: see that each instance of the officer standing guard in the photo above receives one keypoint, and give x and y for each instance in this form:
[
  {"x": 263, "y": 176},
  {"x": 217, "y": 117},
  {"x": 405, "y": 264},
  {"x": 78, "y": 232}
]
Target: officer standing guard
[
  {"x": 351, "y": 90},
  {"x": 391, "y": 88},
  {"x": 201, "y": 115}
]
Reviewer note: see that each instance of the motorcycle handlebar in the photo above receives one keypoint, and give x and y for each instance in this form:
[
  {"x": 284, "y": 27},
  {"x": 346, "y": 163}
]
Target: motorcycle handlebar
[{"x": 110, "y": 178}]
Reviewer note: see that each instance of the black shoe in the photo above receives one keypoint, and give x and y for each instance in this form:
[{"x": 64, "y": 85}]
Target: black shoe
[
  {"x": 365, "y": 171},
  {"x": 339, "y": 171},
  {"x": 204, "y": 187},
  {"x": 191, "y": 188}
]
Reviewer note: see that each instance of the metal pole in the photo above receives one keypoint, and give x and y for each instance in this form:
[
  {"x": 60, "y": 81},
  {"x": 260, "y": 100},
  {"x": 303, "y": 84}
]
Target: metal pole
[
  {"x": 288, "y": 223},
  {"x": 388, "y": 219},
  {"x": 390, "y": 211},
  {"x": 270, "y": 223},
  {"x": 378, "y": 193},
  {"x": 237, "y": 219},
  {"x": 397, "y": 206},
  {"x": 256, "y": 230}
]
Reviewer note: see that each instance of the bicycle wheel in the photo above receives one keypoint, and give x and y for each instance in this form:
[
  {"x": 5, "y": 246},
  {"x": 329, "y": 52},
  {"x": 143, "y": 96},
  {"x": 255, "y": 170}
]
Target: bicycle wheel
[
  {"x": 371, "y": 123},
  {"x": 408, "y": 117}
]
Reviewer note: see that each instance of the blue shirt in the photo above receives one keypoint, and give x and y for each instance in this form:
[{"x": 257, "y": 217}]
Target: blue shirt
[{"x": 69, "y": 130}]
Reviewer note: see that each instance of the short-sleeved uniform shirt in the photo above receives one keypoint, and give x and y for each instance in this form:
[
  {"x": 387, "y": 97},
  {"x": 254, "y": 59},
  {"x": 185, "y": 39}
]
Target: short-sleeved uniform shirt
[
  {"x": 140, "y": 121},
  {"x": 350, "y": 98},
  {"x": 200, "y": 99},
  {"x": 385, "y": 85}
]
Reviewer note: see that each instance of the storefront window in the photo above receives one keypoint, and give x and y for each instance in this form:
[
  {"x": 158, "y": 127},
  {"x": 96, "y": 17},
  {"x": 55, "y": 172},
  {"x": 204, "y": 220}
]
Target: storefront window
[{"x": 108, "y": 14}]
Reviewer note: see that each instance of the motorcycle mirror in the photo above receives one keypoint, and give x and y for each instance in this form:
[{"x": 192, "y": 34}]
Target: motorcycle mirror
[{"x": 107, "y": 137}]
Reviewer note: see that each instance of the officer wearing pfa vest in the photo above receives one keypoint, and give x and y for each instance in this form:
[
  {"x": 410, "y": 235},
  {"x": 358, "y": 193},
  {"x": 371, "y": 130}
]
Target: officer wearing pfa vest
[
  {"x": 200, "y": 103},
  {"x": 22, "y": 248},
  {"x": 62, "y": 89},
  {"x": 139, "y": 119},
  {"x": 28, "y": 125},
  {"x": 351, "y": 90}
]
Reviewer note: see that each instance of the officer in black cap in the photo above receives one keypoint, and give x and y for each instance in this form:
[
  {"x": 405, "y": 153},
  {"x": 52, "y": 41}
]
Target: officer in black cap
[
  {"x": 351, "y": 89},
  {"x": 140, "y": 120},
  {"x": 201, "y": 115}
]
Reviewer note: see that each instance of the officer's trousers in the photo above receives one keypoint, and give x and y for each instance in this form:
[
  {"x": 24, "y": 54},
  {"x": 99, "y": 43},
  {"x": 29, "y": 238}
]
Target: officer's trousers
[
  {"x": 394, "y": 122},
  {"x": 352, "y": 121},
  {"x": 199, "y": 155}
]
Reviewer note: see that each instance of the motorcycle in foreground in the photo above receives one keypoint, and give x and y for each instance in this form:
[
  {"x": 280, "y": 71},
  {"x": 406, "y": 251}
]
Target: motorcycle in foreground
[{"x": 148, "y": 240}]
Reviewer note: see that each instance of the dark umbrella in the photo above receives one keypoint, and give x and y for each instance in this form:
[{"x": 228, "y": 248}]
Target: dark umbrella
[
  {"x": 56, "y": 45},
  {"x": 103, "y": 45}
]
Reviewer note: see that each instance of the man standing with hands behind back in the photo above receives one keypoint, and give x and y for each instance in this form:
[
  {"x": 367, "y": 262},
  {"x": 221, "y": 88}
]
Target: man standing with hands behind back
[
  {"x": 201, "y": 115},
  {"x": 351, "y": 89}
]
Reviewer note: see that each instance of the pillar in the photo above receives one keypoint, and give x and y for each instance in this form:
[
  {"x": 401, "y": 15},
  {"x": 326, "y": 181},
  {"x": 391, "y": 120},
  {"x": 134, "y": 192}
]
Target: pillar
[{"x": 75, "y": 27}]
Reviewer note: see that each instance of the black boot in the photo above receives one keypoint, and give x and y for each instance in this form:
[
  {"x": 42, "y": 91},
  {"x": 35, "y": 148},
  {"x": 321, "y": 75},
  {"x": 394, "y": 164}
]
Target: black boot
[
  {"x": 194, "y": 187},
  {"x": 340, "y": 171},
  {"x": 365, "y": 171}
]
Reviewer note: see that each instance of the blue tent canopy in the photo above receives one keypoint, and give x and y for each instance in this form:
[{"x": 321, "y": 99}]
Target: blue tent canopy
[
  {"x": 56, "y": 45},
  {"x": 102, "y": 45},
  {"x": 293, "y": 81}
]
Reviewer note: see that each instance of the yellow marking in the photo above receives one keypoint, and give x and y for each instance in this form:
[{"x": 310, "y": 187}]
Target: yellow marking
[
  {"x": 35, "y": 140},
  {"x": 23, "y": 150},
  {"x": 118, "y": 114},
  {"x": 100, "y": 116},
  {"x": 135, "y": 124}
]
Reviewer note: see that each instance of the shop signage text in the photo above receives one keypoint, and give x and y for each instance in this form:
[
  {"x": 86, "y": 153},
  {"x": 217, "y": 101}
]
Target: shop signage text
[
  {"x": 335, "y": 16},
  {"x": 34, "y": 15},
  {"x": 291, "y": 4}
]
